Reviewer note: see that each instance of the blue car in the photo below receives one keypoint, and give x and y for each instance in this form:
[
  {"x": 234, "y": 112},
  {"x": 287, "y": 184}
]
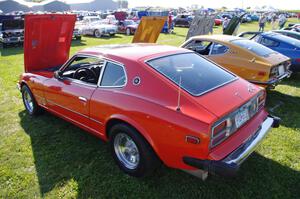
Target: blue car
[{"x": 285, "y": 45}]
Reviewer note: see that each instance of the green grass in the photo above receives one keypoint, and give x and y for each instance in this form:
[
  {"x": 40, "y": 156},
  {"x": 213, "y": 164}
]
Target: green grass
[{"x": 50, "y": 158}]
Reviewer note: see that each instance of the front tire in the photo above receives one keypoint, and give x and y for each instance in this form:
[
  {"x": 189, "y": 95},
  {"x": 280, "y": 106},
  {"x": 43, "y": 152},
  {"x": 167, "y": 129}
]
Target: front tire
[
  {"x": 131, "y": 151},
  {"x": 30, "y": 104},
  {"x": 97, "y": 34},
  {"x": 128, "y": 31}
]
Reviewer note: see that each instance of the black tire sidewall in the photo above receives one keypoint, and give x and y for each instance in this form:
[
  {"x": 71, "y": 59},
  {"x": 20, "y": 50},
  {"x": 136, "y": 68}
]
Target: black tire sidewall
[
  {"x": 148, "y": 160},
  {"x": 35, "y": 105}
]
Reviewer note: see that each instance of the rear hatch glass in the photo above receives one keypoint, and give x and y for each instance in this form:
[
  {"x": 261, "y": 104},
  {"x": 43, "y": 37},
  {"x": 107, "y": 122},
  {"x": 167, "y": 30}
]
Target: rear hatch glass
[
  {"x": 254, "y": 47},
  {"x": 192, "y": 72}
]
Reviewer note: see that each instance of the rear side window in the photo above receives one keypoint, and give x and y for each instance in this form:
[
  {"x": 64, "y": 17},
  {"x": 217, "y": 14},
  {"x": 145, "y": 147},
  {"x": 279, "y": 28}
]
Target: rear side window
[
  {"x": 269, "y": 42},
  {"x": 218, "y": 49},
  {"x": 192, "y": 72},
  {"x": 113, "y": 76}
]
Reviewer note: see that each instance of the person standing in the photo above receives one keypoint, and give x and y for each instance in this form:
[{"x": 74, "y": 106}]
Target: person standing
[
  {"x": 262, "y": 22},
  {"x": 225, "y": 23},
  {"x": 273, "y": 21},
  {"x": 281, "y": 21}
]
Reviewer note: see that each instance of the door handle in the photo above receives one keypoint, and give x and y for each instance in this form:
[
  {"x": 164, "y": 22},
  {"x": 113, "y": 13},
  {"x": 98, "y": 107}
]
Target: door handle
[{"x": 83, "y": 99}]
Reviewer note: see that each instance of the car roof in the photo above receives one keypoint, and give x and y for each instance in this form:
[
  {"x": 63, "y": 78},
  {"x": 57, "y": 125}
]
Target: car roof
[
  {"x": 286, "y": 31},
  {"x": 282, "y": 38},
  {"x": 133, "y": 52}
]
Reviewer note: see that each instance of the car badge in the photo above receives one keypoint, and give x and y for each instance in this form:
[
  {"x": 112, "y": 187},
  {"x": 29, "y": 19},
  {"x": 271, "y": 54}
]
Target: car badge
[
  {"x": 238, "y": 94},
  {"x": 251, "y": 88},
  {"x": 136, "y": 81}
]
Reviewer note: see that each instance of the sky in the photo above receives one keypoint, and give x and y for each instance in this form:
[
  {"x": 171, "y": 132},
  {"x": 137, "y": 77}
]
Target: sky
[{"x": 278, "y": 4}]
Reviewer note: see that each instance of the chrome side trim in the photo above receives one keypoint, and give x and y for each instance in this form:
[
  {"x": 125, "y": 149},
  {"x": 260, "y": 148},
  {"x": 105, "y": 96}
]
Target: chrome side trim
[
  {"x": 51, "y": 102},
  {"x": 241, "y": 153},
  {"x": 74, "y": 112}
]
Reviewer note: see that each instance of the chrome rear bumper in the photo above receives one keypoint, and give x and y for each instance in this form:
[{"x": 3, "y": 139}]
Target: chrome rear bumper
[{"x": 230, "y": 164}]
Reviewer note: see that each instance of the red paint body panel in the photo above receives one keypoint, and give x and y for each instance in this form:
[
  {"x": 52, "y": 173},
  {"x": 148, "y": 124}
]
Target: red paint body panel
[
  {"x": 150, "y": 107},
  {"x": 47, "y": 40}
]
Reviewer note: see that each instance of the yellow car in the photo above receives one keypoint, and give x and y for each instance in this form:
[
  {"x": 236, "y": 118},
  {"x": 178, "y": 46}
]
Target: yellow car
[{"x": 248, "y": 59}]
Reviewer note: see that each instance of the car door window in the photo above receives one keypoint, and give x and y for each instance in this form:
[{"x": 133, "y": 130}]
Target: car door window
[
  {"x": 201, "y": 47},
  {"x": 84, "y": 68},
  {"x": 114, "y": 76},
  {"x": 218, "y": 49},
  {"x": 269, "y": 42}
]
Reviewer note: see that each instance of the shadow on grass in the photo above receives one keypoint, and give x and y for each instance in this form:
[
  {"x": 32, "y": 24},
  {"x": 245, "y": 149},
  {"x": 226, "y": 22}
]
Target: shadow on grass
[
  {"x": 106, "y": 37},
  {"x": 12, "y": 50},
  {"x": 285, "y": 105},
  {"x": 294, "y": 80},
  {"x": 78, "y": 43},
  {"x": 63, "y": 153}
]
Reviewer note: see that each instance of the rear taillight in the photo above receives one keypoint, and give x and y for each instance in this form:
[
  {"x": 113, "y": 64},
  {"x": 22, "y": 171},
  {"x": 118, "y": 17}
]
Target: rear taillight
[
  {"x": 228, "y": 125},
  {"x": 298, "y": 60},
  {"x": 220, "y": 128},
  {"x": 221, "y": 131},
  {"x": 261, "y": 99},
  {"x": 274, "y": 71}
]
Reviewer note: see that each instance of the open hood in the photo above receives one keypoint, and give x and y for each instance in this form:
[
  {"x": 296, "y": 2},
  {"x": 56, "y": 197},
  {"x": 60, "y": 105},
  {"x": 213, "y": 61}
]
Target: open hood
[
  {"x": 200, "y": 25},
  {"x": 149, "y": 29},
  {"x": 47, "y": 40},
  {"x": 233, "y": 25}
]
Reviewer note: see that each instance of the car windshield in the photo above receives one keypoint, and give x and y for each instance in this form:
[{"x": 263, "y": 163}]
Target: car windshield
[
  {"x": 126, "y": 23},
  {"x": 192, "y": 72},
  {"x": 254, "y": 47},
  {"x": 95, "y": 19},
  {"x": 12, "y": 24}
]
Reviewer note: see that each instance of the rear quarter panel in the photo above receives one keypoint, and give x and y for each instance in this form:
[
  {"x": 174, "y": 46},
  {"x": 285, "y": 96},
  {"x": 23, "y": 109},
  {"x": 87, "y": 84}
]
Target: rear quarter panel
[{"x": 150, "y": 108}]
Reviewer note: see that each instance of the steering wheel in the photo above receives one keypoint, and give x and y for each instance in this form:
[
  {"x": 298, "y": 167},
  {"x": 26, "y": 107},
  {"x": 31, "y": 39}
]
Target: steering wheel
[{"x": 84, "y": 74}]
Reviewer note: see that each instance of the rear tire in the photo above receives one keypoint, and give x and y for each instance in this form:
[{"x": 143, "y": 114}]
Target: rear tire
[
  {"x": 131, "y": 151},
  {"x": 30, "y": 104}
]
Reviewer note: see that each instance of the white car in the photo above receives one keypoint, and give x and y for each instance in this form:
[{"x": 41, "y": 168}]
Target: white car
[{"x": 98, "y": 29}]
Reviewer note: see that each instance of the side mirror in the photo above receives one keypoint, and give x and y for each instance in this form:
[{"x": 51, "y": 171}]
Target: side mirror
[{"x": 58, "y": 75}]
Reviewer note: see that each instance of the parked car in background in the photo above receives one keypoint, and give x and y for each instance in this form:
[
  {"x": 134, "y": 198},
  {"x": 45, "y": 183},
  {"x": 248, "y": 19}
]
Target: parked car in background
[
  {"x": 253, "y": 17},
  {"x": 218, "y": 22},
  {"x": 183, "y": 20},
  {"x": 77, "y": 33},
  {"x": 248, "y": 59},
  {"x": 127, "y": 26},
  {"x": 12, "y": 32},
  {"x": 285, "y": 45},
  {"x": 293, "y": 34},
  {"x": 99, "y": 29},
  {"x": 88, "y": 20},
  {"x": 152, "y": 103},
  {"x": 295, "y": 27}
]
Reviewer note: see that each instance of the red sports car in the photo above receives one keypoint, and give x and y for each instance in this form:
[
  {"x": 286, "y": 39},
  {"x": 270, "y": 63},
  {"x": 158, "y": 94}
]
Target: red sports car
[{"x": 152, "y": 103}]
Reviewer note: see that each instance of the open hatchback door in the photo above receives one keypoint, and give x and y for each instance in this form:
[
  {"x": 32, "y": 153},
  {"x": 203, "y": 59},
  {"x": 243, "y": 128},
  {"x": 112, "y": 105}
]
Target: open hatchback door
[
  {"x": 47, "y": 40},
  {"x": 149, "y": 29}
]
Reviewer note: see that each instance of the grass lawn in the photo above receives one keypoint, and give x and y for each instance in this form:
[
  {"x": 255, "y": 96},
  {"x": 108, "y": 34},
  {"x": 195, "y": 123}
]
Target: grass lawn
[{"x": 50, "y": 158}]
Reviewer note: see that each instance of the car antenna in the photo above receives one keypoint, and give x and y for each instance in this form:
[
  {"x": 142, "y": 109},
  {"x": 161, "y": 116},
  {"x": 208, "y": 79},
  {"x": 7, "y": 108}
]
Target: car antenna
[{"x": 179, "y": 94}]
